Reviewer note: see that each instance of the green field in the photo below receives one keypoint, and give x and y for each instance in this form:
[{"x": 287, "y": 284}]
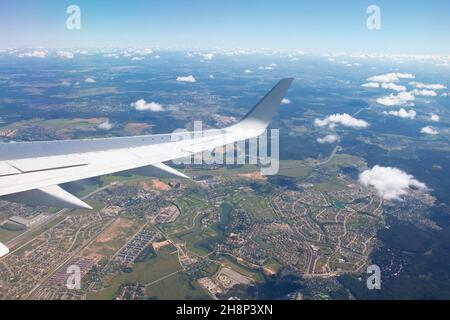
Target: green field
[
  {"x": 162, "y": 276},
  {"x": 257, "y": 206},
  {"x": 177, "y": 287},
  {"x": 202, "y": 241},
  {"x": 189, "y": 206}
]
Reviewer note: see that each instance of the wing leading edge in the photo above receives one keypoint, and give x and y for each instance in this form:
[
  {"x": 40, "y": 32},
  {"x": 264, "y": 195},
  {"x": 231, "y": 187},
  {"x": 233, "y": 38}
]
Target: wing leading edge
[{"x": 31, "y": 172}]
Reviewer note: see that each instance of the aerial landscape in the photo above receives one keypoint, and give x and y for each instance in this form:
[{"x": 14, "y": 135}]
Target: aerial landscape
[{"x": 364, "y": 156}]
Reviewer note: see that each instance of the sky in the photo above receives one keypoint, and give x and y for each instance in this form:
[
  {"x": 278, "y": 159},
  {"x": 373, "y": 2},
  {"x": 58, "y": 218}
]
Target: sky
[{"x": 409, "y": 27}]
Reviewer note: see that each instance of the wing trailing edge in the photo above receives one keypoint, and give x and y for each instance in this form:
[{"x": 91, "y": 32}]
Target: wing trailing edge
[{"x": 159, "y": 170}]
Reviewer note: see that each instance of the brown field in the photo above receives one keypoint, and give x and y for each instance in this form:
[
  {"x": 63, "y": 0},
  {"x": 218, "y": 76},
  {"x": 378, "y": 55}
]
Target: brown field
[
  {"x": 159, "y": 245},
  {"x": 252, "y": 175},
  {"x": 144, "y": 185},
  {"x": 112, "y": 239},
  {"x": 159, "y": 185},
  {"x": 136, "y": 127},
  {"x": 114, "y": 230}
]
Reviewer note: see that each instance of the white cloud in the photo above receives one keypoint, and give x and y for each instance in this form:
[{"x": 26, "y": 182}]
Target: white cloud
[
  {"x": 343, "y": 119},
  {"x": 211, "y": 76},
  {"x": 207, "y": 56},
  {"x": 186, "y": 79},
  {"x": 426, "y": 93},
  {"x": 137, "y": 58},
  {"x": 65, "y": 83},
  {"x": 34, "y": 54},
  {"x": 429, "y": 130},
  {"x": 111, "y": 55},
  {"x": 65, "y": 54},
  {"x": 406, "y": 76},
  {"x": 446, "y": 94},
  {"x": 393, "y": 86},
  {"x": 331, "y": 138},
  {"x": 420, "y": 85},
  {"x": 371, "y": 85},
  {"x": 390, "y": 183},
  {"x": 144, "y": 52},
  {"x": 90, "y": 80},
  {"x": 400, "y": 99},
  {"x": 142, "y": 105},
  {"x": 265, "y": 68},
  {"x": 402, "y": 113},
  {"x": 106, "y": 125},
  {"x": 391, "y": 77},
  {"x": 285, "y": 101},
  {"x": 435, "y": 117},
  {"x": 248, "y": 71}
]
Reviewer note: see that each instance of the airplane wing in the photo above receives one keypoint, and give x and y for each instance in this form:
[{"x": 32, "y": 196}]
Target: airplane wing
[{"x": 31, "y": 172}]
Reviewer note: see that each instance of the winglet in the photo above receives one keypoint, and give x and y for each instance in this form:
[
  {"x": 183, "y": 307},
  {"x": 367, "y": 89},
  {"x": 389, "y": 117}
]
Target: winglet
[
  {"x": 4, "y": 250},
  {"x": 259, "y": 117}
]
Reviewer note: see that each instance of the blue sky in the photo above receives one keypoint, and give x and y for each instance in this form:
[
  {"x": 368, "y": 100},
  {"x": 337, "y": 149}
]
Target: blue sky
[{"x": 315, "y": 26}]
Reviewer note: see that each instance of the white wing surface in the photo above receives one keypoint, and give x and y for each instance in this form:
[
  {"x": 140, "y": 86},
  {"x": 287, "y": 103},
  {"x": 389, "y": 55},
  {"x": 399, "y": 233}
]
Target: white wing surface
[{"x": 30, "y": 172}]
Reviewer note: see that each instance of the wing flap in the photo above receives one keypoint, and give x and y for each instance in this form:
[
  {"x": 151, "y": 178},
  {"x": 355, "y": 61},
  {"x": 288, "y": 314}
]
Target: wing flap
[
  {"x": 159, "y": 170},
  {"x": 46, "y": 163},
  {"x": 7, "y": 170}
]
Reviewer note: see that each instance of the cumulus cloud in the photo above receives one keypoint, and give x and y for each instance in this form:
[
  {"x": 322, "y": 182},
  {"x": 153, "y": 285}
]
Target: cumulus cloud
[
  {"x": 186, "y": 79},
  {"x": 390, "y": 183},
  {"x": 65, "y": 54},
  {"x": 391, "y": 77},
  {"x": 142, "y": 105},
  {"x": 34, "y": 54},
  {"x": 331, "y": 138},
  {"x": 425, "y": 92},
  {"x": 90, "y": 80},
  {"x": 435, "y": 117},
  {"x": 105, "y": 125},
  {"x": 248, "y": 71},
  {"x": 393, "y": 86},
  {"x": 371, "y": 85},
  {"x": 137, "y": 58},
  {"x": 265, "y": 68},
  {"x": 343, "y": 119},
  {"x": 402, "y": 98},
  {"x": 285, "y": 101},
  {"x": 207, "y": 56},
  {"x": 402, "y": 113},
  {"x": 429, "y": 130},
  {"x": 111, "y": 55},
  {"x": 420, "y": 85}
]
